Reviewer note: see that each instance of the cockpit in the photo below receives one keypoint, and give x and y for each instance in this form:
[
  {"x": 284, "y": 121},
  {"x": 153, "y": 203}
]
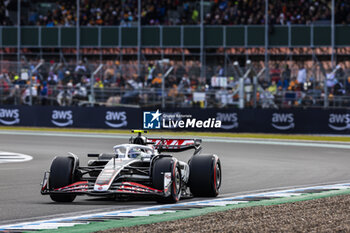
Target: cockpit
[{"x": 133, "y": 151}]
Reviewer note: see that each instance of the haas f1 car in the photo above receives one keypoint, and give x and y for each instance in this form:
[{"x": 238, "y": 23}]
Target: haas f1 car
[{"x": 138, "y": 168}]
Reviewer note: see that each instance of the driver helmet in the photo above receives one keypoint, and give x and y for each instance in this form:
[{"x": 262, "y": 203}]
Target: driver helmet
[{"x": 133, "y": 153}]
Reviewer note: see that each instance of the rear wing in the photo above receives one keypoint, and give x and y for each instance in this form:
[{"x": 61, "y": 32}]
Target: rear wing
[
  {"x": 175, "y": 145},
  {"x": 166, "y": 144}
]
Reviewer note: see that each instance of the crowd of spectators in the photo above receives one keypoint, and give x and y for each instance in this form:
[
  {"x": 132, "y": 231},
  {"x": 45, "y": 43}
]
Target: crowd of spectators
[
  {"x": 305, "y": 85},
  {"x": 180, "y": 12},
  {"x": 288, "y": 85},
  {"x": 124, "y": 13},
  {"x": 280, "y": 12}
]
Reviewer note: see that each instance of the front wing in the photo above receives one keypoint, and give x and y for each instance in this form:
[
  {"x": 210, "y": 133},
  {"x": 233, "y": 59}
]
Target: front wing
[{"x": 87, "y": 188}]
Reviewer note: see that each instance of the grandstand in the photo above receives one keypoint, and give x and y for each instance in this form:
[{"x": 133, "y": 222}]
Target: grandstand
[{"x": 182, "y": 53}]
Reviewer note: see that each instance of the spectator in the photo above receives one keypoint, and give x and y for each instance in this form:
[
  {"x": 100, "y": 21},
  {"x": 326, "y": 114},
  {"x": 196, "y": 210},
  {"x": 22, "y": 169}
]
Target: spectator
[
  {"x": 331, "y": 80},
  {"x": 108, "y": 76},
  {"x": 220, "y": 71},
  {"x": 120, "y": 81},
  {"x": 275, "y": 74},
  {"x": 284, "y": 83},
  {"x": 170, "y": 82},
  {"x": 173, "y": 92},
  {"x": 185, "y": 85},
  {"x": 293, "y": 85},
  {"x": 223, "y": 97},
  {"x": 267, "y": 99},
  {"x": 301, "y": 76},
  {"x": 272, "y": 88},
  {"x": 80, "y": 68},
  {"x": 194, "y": 82},
  {"x": 338, "y": 92},
  {"x": 150, "y": 69},
  {"x": 4, "y": 87},
  {"x": 131, "y": 96},
  {"x": 43, "y": 93},
  {"x": 52, "y": 79},
  {"x": 179, "y": 71},
  {"x": 157, "y": 81}
]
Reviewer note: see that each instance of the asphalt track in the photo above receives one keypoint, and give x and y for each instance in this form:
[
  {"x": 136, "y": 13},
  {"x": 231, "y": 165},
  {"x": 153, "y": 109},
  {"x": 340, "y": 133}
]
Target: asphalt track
[{"x": 246, "y": 168}]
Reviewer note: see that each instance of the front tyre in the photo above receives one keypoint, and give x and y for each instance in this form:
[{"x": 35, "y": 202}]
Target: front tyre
[
  {"x": 205, "y": 175},
  {"x": 162, "y": 166},
  {"x": 61, "y": 174}
]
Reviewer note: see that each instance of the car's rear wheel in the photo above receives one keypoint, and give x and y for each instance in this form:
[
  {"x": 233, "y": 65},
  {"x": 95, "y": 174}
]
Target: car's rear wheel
[
  {"x": 61, "y": 174},
  {"x": 167, "y": 165},
  {"x": 205, "y": 175}
]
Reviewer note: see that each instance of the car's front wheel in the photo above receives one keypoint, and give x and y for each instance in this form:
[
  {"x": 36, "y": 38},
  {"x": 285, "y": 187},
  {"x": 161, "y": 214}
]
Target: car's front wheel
[
  {"x": 160, "y": 168},
  {"x": 61, "y": 174}
]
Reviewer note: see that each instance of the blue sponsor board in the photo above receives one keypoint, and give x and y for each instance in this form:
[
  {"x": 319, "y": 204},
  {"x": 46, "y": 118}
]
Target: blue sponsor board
[{"x": 310, "y": 121}]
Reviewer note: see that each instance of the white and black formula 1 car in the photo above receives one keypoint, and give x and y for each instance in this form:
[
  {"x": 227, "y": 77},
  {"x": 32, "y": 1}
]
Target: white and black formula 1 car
[{"x": 137, "y": 168}]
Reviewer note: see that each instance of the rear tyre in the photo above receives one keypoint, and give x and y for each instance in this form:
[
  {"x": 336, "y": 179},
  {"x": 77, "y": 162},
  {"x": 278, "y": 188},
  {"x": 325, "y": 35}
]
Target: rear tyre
[
  {"x": 205, "y": 175},
  {"x": 61, "y": 174},
  {"x": 162, "y": 166}
]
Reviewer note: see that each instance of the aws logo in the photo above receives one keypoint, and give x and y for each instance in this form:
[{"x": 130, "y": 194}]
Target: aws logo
[
  {"x": 339, "y": 121},
  {"x": 9, "y": 116},
  {"x": 116, "y": 119},
  {"x": 228, "y": 120},
  {"x": 283, "y": 121},
  {"x": 62, "y": 118}
]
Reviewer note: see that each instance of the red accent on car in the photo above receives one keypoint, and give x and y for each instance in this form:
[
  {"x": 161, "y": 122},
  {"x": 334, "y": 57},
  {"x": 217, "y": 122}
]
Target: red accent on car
[
  {"x": 174, "y": 183},
  {"x": 171, "y": 143},
  {"x": 141, "y": 186},
  {"x": 72, "y": 185},
  {"x": 216, "y": 160}
]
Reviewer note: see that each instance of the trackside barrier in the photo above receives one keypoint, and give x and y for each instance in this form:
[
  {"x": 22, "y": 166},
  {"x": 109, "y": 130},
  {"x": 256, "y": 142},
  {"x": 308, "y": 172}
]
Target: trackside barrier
[{"x": 309, "y": 121}]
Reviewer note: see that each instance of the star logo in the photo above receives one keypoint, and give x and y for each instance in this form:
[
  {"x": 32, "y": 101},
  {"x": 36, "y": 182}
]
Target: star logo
[
  {"x": 156, "y": 115},
  {"x": 151, "y": 120}
]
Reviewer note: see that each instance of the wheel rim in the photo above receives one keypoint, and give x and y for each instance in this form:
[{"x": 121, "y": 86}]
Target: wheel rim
[
  {"x": 218, "y": 176},
  {"x": 177, "y": 181}
]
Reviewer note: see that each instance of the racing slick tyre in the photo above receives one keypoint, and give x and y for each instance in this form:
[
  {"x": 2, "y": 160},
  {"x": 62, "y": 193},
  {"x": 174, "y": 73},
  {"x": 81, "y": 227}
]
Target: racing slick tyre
[
  {"x": 162, "y": 166},
  {"x": 61, "y": 174},
  {"x": 205, "y": 175}
]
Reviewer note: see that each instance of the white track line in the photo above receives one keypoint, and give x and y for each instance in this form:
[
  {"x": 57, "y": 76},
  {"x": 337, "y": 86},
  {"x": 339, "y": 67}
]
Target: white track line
[{"x": 10, "y": 157}]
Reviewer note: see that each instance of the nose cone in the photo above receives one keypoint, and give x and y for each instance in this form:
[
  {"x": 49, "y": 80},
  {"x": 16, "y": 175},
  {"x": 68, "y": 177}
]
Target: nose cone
[{"x": 100, "y": 188}]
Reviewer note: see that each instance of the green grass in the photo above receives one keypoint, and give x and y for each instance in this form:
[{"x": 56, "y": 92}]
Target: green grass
[{"x": 197, "y": 134}]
